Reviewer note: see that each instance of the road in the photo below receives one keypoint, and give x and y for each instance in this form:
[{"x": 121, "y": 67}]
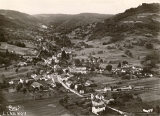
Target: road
[{"x": 64, "y": 85}]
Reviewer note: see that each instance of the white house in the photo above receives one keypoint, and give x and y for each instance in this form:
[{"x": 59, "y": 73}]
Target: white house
[
  {"x": 148, "y": 111},
  {"x": 89, "y": 83},
  {"x": 33, "y": 76},
  {"x": 22, "y": 64},
  {"x": 97, "y": 102},
  {"x": 69, "y": 83},
  {"x": 124, "y": 88},
  {"x": 97, "y": 110},
  {"x": 82, "y": 70},
  {"x": 36, "y": 84},
  {"x": 107, "y": 89}
]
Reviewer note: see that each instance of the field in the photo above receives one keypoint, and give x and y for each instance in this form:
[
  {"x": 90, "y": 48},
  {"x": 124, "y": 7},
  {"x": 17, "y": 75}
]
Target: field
[
  {"x": 49, "y": 107},
  {"x": 29, "y": 49},
  {"x": 100, "y": 79},
  {"x": 114, "y": 54},
  {"x": 22, "y": 72},
  {"x": 149, "y": 97}
]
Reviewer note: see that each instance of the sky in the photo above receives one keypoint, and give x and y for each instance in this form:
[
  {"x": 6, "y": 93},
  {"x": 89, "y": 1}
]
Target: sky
[{"x": 71, "y": 6}]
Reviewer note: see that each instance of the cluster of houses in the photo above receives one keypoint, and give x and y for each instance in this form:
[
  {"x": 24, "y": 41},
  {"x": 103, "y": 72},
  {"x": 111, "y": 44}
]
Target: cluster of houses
[
  {"x": 100, "y": 101},
  {"x": 131, "y": 71},
  {"x": 101, "y": 98}
]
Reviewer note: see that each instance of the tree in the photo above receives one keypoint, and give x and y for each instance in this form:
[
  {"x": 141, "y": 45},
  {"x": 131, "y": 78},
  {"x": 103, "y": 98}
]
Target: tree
[
  {"x": 2, "y": 37},
  {"x": 67, "y": 56},
  {"x": 72, "y": 86},
  {"x": 16, "y": 70},
  {"x": 92, "y": 69},
  {"x": 109, "y": 67},
  {"x": 149, "y": 46},
  {"x": 119, "y": 65},
  {"x": 2, "y": 78},
  {"x": 24, "y": 90},
  {"x": 63, "y": 55},
  {"x": 60, "y": 71},
  {"x": 79, "y": 88},
  {"x": 124, "y": 62},
  {"x": 157, "y": 109},
  {"x": 152, "y": 56},
  {"x": 77, "y": 62},
  {"x": 18, "y": 87},
  {"x": 146, "y": 70}
]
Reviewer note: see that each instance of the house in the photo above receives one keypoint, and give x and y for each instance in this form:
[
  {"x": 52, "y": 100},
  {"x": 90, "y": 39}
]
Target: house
[
  {"x": 124, "y": 88},
  {"x": 22, "y": 64},
  {"x": 89, "y": 83},
  {"x": 82, "y": 70},
  {"x": 98, "y": 96},
  {"x": 59, "y": 55},
  {"x": 56, "y": 67},
  {"x": 33, "y": 76},
  {"x": 138, "y": 87},
  {"x": 77, "y": 86},
  {"x": 97, "y": 102},
  {"x": 81, "y": 91},
  {"x": 98, "y": 105},
  {"x": 29, "y": 59},
  {"x": 36, "y": 85},
  {"x": 107, "y": 89},
  {"x": 48, "y": 61},
  {"x": 69, "y": 83},
  {"x": 64, "y": 77},
  {"x": 55, "y": 59},
  {"x": 98, "y": 109}
]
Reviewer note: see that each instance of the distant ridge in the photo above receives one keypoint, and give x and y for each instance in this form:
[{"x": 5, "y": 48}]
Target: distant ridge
[
  {"x": 143, "y": 19},
  {"x": 70, "y": 21}
]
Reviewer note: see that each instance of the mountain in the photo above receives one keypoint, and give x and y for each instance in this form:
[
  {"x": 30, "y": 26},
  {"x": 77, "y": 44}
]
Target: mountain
[
  {"x": 145, "y": 19},
  {"x": 64, "y": 21},
  {"x": 15, "y": 19},
  {"x": 15, "y": 25}
]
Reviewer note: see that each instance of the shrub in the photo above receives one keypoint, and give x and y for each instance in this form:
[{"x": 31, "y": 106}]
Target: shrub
[
  {"x": 104, "y": 43},
  {"x": 127, "y": 52},
  {"x": 153, "y": 56},
  {"x": 123, "y": 56},
  {"x": 124, "y": 62},
  {"x": 149, "y": 46},
  {"x": 100, "y": 52},
  {"x": 157, "y": 109},
  {"x": 109, "y": 67},
  {"x": 19, "y": 44}
]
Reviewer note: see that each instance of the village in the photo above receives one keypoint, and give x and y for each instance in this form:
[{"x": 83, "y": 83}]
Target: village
[{"x": 82, "y": 83}]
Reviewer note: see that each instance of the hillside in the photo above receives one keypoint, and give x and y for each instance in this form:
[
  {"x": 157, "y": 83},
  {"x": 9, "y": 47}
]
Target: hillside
[
  {"x": 15, "y": 19},
  {"x": 18, "y": 25},
  {"x": 15, "y": 25},
  {"x": 68, "y": 22},
  {"x": 141, "y": 20},
  {"x": 131, "y": 36}
]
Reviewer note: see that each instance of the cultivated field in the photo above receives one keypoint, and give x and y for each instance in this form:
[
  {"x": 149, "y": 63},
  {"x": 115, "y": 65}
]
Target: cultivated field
[
  {"x": 29, "y": 49},
  {"x": 49, "y": 107},
  {"x": 22, "y": 72}
]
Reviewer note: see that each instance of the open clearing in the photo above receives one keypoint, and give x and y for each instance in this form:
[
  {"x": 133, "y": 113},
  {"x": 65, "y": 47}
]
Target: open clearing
[
  {"x": 114, "y": 54},
  {"x": 10, "y": 73},
  {"x": 101, "y": 78},
  {"x": 49, "y": 107},
  {"x": 149, "y": 97},
  {"x": 27, "y": 50}
]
